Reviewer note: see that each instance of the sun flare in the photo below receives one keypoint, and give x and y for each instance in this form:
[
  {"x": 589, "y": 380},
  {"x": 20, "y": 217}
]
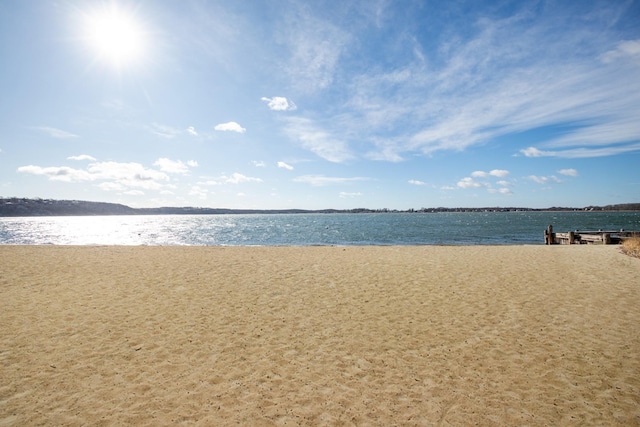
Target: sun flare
[{"x": 115, "y": 36}]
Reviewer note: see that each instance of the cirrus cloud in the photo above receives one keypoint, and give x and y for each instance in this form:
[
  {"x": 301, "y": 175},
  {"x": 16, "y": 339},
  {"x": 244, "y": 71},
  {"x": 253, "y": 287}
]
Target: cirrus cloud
[{"x": 55, "y": 132}]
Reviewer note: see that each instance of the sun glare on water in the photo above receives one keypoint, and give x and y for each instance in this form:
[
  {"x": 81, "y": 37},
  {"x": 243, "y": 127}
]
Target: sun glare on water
[{"x": 115, "y": 36}]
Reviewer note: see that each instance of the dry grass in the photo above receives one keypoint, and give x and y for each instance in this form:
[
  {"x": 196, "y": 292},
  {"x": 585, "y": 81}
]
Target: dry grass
[{"x": 631, "y": 246}]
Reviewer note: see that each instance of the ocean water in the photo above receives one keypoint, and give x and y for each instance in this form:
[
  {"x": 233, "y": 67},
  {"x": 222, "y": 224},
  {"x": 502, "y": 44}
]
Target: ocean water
[{"x": 470, "y": 228}]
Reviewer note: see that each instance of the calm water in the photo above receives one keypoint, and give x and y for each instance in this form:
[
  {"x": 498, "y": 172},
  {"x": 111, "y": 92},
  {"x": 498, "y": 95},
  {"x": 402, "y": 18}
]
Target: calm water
[{"x": 492, "y": 228}]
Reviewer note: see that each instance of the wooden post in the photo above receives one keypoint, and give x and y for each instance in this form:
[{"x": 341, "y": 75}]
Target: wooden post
[
  {"x": 571, "y": 237},
  {"x": 606, "y": 238},
  {"x": 548, "y": 235}
]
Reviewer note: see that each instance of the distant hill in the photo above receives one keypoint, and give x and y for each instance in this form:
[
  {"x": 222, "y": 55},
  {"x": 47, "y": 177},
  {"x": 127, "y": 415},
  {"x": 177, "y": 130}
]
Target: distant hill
[
  {"x": 12, "y": 207},
  {"x": 48, "y": 207}
]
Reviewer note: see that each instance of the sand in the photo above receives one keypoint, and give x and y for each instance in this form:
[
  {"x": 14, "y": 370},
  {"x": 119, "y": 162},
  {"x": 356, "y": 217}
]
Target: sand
[{"x": 507, "y": 335}]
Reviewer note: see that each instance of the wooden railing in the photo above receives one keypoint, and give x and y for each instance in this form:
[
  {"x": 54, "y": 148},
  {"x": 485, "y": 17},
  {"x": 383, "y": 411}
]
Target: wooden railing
[{"x": 577, "y": 237}]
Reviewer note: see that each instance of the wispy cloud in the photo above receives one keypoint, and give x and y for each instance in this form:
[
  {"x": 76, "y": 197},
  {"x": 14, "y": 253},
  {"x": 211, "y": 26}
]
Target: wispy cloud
[
  {"x": 55, "y": 132},
  {"x": 416, "y": 182},
  {"x": 496, "y": 172},
  {"x": 321, "y": 180},
  {"x": 315, "y": 47},
  {"x": 230, "y": 127},
  {"x": 198, "y": 192},
  {"x": 552, "y": 179},
  {"x": 568, "y": 172},
  {"x": 238, "y": 178},
  {"x": 235, "y": 178},
  {"x": 279, "y": 103},
  {"x": 626, "y": 49},
  {"x": 192, "y": 131},
  {"x": 317, "y": 140},
  {"x": 578, "y": 153},
  {"x": 284, "y": 165},
  {"x": 503, "y": 190},
  {"x": 512, "y": 75},
  {"x": 164, "y": 131},
  {"x": 175, "y": 166}
]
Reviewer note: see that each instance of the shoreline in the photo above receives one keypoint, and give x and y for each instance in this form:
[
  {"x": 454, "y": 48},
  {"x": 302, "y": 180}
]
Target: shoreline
[{"x": 306, "y": 335}]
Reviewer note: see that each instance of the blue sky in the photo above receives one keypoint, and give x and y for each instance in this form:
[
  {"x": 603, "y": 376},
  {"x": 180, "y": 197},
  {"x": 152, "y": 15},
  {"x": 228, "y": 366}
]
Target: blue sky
[{"x": 321, "y": 104}]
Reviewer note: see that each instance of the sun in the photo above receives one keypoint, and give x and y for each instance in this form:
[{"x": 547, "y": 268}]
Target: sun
[{"x": 114, "y": 35}]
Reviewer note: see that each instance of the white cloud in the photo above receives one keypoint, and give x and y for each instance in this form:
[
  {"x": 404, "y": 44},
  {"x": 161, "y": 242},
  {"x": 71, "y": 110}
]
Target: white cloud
[
  {"x": 82, "y": 157},
  {"x": 259, "y": 163},
  {"x": 55, "y": 132},
  {"x": 468, "y": 183},
  {"x": 544, "y": 179},
  {"x": 283, "y": 165},
  {"x": 238, "y": 178},
  {"x": 416, "y": 182},
  {"x": 128, "y": 174},
  {"x": 624, "y": 49},
  {"x": 58, "y": 173},
  {"x": 534, "y": 152},
  {"x": 317, "y": 140},
  {"x": 568, "y": 172},
  {"x": 118, "y": 176},
  {"x": 192, "y": 131},
  {"x": 133, "y": 193},
  {"x": 279, "y": 103},
  {"x": 175, "y": 166},
  {"x": 320, "y": 180},
  {"x": 579, "y": 153},
  {"x": 235, "y": 178},
  {"x": 500, "y": 173},
  {"x": 504, "y": 183},
  {"x": 496, "y": 172},
  {"x": 230, "y": 127}
]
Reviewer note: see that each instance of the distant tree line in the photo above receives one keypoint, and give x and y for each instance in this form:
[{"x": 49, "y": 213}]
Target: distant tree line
[{"x": 14, "y": 207}]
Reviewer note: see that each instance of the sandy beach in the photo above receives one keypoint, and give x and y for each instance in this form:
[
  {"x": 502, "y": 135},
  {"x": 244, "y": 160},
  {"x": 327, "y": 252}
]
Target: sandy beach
[{"x": 260, "y": 336}]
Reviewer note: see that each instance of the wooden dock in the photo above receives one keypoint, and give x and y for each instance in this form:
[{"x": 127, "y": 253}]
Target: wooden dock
[{"x": 579, "y": 237}]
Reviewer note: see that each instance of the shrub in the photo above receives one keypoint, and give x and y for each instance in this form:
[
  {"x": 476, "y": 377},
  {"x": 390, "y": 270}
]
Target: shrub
[{"x": 631, "y": 246}]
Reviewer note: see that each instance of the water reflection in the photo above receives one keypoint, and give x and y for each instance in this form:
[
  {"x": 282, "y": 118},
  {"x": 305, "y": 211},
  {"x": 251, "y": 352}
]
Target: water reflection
[{"x": 306, "y": 229}]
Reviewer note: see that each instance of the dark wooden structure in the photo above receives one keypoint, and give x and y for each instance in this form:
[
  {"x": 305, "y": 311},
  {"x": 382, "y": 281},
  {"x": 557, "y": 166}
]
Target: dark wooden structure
[{"x": 578, "y": 237}]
